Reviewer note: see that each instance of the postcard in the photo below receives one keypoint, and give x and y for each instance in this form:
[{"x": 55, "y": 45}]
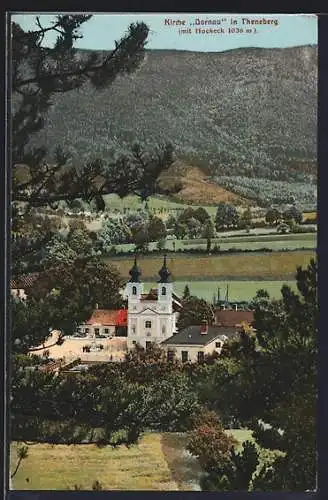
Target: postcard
[{"x": 163, "y": 281}]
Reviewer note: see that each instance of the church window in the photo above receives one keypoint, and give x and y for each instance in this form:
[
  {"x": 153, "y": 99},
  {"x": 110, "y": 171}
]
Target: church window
[
  {"x": 148, "y": 324},
  {"x": 163, "y": 329},
  {"x": 163, "y": 290},
  {"x": 134, "y": 290}
]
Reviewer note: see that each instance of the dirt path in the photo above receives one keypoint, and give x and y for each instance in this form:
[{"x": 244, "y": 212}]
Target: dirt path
[{"x": 184, "y": 468}]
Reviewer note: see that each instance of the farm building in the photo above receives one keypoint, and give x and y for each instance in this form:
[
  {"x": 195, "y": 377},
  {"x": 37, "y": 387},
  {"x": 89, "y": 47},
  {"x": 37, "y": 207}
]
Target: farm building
[
  {"x": 105, "y": 323},
  {"x": 21, "y": 286}
]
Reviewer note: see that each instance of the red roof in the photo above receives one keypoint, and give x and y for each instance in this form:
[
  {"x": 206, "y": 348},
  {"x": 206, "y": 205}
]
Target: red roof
[
  {"x": 230, "y": 317},
  {"x": 108, "y": 317},
  {"x": 24, "y": 281}
]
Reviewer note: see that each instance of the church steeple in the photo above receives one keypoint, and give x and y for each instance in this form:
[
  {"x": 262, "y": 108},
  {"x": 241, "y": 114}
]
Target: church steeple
[
  {"x": 135, "y": 272},
  {"x": 164, "y": 273}
]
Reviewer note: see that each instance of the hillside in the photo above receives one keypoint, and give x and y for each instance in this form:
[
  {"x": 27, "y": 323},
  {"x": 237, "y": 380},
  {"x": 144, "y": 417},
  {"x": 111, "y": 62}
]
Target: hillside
[
  {"x": 196, "y": 188},
  {"x": 248, "y": 112}
]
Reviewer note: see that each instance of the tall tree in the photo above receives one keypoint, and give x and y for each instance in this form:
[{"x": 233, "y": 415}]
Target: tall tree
[
  {"x": 38, "y": 73},
  {"x": 194, "y": 311},
  {"x": 282, "y": 354},
  {"x": 226, "y": 216}
]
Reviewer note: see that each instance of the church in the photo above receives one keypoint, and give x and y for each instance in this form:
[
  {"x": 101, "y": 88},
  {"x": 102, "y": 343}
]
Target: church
[{"x": 152, "y": 316}]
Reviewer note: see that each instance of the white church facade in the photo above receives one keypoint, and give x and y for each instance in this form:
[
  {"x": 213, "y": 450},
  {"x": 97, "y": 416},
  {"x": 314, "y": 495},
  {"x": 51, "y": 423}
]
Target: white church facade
[{"x": 152, "y": 316}]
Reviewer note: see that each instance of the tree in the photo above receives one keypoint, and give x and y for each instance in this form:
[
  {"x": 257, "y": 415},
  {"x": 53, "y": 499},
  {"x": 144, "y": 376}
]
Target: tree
[
  {"x": 208, "y": 233},
  {"x": 194, "y": 311},
  {"x": 194, "y": 227},
  {"x": 186, "y": 293},
  {"x": 65, "y": 293},
  {"x": 226, "y": 216},
  {"x": 114, "y": 232},
  {"x": 156, "y": 229},
  {"x": 141, "y": 240},
  {"x": 187, "y": 214},
  {"x": 38, "y": 74},
  {"x": 293, "y": 214},
  {"x": 59, "y": 251},
  {"x": 246, "y": 219},
  {"x": 180, "y": 230},
  {"x": 62, "y": 298},
  {"x": 171, "y": 222},
  {"x": 272, "y": 216},
  {"x": 282, "y": 354},
  {"x": 202, "y": 215}
]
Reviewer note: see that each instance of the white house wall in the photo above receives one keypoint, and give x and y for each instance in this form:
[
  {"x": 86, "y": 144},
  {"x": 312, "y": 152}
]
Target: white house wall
[{"x": 193, "y": 350}]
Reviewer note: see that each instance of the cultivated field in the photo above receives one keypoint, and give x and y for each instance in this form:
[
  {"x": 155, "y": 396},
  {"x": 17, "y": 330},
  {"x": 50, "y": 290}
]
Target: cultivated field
[
  {"x": 227, "y": 242},
  {"x": 254, "y": 266},
  {"x": 238, "y": 290}
]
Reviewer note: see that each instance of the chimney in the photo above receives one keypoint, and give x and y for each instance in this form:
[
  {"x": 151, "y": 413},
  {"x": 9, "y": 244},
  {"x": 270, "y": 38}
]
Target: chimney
[{"x": 204, "y": 327}]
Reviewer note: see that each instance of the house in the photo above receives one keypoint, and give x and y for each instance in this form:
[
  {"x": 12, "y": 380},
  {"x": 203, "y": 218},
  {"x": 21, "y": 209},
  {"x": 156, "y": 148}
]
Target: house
[
  {"x": 194, "y": 342},
  {"x": 105, "y": 322},
  {"x": 233, "y": 318},
  {"x": 21, "y": 286},
  {"x": 152, "y": 316}
]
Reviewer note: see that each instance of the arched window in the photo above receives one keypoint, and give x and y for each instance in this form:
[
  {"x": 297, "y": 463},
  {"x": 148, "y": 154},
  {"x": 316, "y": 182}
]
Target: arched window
[
  {"x": 148, "y": 324},
  {"x": 163, "y": 290},
  {"x": 134, "y": 290}
]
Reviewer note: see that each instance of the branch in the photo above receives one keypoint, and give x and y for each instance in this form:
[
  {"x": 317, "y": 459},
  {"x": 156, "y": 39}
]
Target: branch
[{"x": 82, "y": 71}]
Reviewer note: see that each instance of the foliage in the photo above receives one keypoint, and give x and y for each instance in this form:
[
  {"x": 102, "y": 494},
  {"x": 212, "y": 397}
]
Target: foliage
[
  {"x": 194, "y": 311},
  {"x": 272, "y": 216},
  {"x": 226, "y": 216},
  {"x": 62, "y": 298},
  {"x": 294, "y": 214},
  {"x": 156, "y": 229},
  {"x": 114, "y": 232},
  {"x": 267, "y": 192},
  {"x": 230, "y": 137},
  {"x": 281, "y": 355}
]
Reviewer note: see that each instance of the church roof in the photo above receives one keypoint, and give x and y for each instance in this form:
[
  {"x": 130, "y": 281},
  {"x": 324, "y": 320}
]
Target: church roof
[
  {"x": 164, "y": 273},
  {"x": 135, "y": 272},
  {"x": 192, "y": 335}
]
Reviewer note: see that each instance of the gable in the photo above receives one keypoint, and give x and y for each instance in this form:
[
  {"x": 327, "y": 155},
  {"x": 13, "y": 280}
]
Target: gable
[{"x": 147, "y": 311}]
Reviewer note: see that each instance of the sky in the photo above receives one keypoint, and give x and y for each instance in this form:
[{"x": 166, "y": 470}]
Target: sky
[{"x": 102, "y": 30}]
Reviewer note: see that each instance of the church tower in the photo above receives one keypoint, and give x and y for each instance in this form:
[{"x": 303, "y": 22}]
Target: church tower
[
  {"x": 134, "y": 287},
  {"x": 165, "y": 288}
]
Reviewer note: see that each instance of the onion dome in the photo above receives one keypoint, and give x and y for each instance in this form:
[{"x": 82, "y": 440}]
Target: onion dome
[
  {"x": 164, "y": 273},
  {"x": 135, "y": 272}
]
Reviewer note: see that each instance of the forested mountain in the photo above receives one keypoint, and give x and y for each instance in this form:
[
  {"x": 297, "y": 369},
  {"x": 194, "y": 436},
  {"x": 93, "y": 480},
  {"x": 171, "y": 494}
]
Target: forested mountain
[{"x": 245, "y": 112}]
